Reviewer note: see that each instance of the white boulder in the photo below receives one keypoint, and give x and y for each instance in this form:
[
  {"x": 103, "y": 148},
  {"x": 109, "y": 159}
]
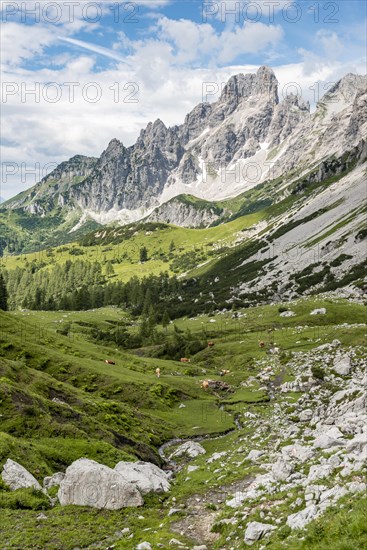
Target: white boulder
[
  {"x": 256, "y": 530},
  {"x": 305, "y": 415},
  {"x": 287, "y": 314},
  {"x": 17, "y": 477},
  {"x": 88, "y": 483},
  {"x": 358, "y": 444},
  {"x": 282, "y": 469},
  {"x": 300, "y": 519},
  {"x": 216, "y": 456},
  {"x": 301, "y": 453},
  {"x": 145, "y": 476},
  {"x": 331, "y": 438},
  {"x": 320, "y": 311},
  {"x": 342, "y": 365},
  {"x": 189, "y": 448},
  {"x": 254, "y": 455}
]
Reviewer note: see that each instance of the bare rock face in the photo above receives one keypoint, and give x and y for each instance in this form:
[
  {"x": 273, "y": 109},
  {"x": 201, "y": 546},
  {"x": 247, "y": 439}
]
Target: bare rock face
[
  {"x": 17, "y": 477},
  {"x": 88, "y": 483},
  {"x": 147, "y": 477},
  {"x": 184, "y": 214}
]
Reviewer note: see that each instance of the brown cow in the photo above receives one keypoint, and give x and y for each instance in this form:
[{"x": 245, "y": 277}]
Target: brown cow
[
  {"x": 261, "y": 344},
  {"x": 184, "y": 360},
  {"x": 109, "y": 362},
  {"x": 205, "y": 385},
  {"x": 210, "y": 344}
]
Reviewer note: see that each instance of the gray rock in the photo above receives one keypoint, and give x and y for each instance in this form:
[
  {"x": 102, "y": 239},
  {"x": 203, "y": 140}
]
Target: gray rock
[
  {"x": 216, "y": 456},
  {"x": 254, "y": 454},
  {"x": 255, "y": 531},
  {"x": 356, "y": 487},
  {"x": 320, "y": 311},
  {"x": 301, "y": 453},
  {"x": 17, "y": 477},
  {"x": 191, "y": 449},
  {"x": 144, "y": 546},
  {"x": 287, "y": 314},
  {"x": 331, "y": 438},
  {"x": 145, "y": 476},
  {"x": 53, "y": 481},
  {"x": 300, "y": 519},
  {"x": 342, "y": 365},
  {"x": 306, "y": 415},
  {"x": 319, "y": 471},
  {"x": 88, "y": 483},
  {"x": 282, "y": 469},
  {"x": 358, "y": 444}
]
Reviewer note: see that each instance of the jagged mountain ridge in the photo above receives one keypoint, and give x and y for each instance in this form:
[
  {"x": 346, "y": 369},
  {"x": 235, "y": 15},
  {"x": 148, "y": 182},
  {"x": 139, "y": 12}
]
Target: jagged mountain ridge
[{"x": 222, "y": 149}]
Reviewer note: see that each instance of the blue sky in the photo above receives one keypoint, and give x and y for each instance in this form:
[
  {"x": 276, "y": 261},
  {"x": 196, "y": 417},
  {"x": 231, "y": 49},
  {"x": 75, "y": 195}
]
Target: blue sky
[{"x": 147, "y": 59}]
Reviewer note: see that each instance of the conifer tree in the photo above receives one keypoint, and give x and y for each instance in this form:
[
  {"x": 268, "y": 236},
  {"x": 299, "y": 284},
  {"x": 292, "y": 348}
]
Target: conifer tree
[{"x": 3, "y": 294}]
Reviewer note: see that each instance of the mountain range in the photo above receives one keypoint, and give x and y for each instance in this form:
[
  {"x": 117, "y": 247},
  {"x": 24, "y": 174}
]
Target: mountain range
[{"x": 248, "y": 136}]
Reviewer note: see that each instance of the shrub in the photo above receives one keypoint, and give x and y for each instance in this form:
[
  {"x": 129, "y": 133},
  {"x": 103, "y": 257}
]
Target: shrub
[
  {"x": 24, "y": 499},
  {"x": 318, "y": 372}
]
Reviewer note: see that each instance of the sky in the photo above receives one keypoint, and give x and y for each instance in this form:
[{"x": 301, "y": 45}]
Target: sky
[{"x": 76, "y": 74}]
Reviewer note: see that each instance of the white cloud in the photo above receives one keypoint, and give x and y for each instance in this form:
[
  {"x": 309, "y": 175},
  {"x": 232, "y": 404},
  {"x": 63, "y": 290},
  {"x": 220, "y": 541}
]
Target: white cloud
[
  {"x": 18, "y": 45},
  {"x": 251, "y": 38}
]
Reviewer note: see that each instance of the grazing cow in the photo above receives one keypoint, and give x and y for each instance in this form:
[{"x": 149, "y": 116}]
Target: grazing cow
[
  {"x": 210, "y": 344},
  {"x": 157, "y": 372},
  {"x": 224, "y": 372},
  {"x": 205, "y": 385},
  {"x": 109, "y": 362},
  {"x": 261, "y": 344},
  {"x": 184, "y": 360}
]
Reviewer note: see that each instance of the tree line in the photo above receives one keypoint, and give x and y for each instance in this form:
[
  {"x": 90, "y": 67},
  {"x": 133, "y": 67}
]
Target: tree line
[{"x": 81, "y": 285}]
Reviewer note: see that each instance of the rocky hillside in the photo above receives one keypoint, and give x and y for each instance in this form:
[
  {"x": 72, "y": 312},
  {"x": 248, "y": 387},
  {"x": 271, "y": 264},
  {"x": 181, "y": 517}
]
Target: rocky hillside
[{"x": 246, "y": 137}]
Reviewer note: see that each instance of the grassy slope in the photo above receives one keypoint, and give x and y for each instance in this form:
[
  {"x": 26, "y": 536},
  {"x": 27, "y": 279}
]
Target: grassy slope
[{"x": 202, "y": 242}]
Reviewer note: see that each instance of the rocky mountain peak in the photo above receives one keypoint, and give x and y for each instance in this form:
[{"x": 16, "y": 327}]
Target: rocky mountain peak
[
  {"x": 240, "y": 86},
  {"x": 343, "y": 93},
  {"x": 114, "y": 144}
]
